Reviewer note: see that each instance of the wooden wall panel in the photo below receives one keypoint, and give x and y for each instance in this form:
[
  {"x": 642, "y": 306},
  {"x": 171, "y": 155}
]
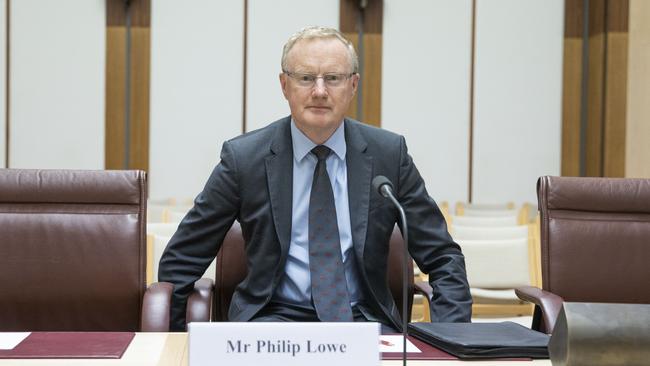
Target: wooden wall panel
[
  {"x": 116, "y": 85},
  {"x": 372, "y": 55},
  {"x": 594, "y": 143},
  {"x": 614, "y": 118},
  {"x": 115, "y": 134},
  {"x": 140, "y": 75},
  {"x": 572, "y": 87},
  {"x": 370, "y": 80},
  {"x": 595, "y": 92}
]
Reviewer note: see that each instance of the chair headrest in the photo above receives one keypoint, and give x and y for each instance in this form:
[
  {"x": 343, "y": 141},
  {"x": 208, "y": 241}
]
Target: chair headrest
[
  {"x": 624, "y": 195},
  {"x": 72, "y": 186}
]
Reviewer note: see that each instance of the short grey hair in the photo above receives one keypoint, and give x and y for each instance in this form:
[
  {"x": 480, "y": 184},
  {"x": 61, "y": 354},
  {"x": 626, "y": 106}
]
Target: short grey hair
[{"x": 316, "y": 32}]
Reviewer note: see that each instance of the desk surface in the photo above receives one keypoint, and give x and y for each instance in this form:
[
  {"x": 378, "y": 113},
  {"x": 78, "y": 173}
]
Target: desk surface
[{"x": 170, "y": 349}]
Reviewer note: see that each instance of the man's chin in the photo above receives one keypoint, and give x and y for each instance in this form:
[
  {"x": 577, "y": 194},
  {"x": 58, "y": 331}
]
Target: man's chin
[{"x": 323, "y": 122}]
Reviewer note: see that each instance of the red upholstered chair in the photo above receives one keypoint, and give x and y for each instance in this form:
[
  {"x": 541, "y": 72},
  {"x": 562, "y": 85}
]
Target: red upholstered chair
[
  {"x": 232, "y": 269},
  {"x": 595, "y": 243},
  {"x": 72, "y": 253}
]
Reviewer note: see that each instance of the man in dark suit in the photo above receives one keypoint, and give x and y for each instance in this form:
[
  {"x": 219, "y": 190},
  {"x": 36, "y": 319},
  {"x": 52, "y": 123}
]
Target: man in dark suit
[{"x": 316, "y": 233}]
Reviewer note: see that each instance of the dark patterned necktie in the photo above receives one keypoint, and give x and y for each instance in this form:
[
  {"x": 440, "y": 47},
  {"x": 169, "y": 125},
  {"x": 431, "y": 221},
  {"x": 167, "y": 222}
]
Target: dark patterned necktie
[{"x": 329, "y": 289}]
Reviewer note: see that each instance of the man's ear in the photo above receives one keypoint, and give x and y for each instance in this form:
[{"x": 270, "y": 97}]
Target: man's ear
[
  {"x": 355, "y": 82},
  {"x": 283, "y": 84}
]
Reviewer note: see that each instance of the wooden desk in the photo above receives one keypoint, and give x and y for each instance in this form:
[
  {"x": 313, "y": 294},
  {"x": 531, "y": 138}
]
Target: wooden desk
[
  {"x": 170, "y": 349},
  {"x": 145, "y": 349}
]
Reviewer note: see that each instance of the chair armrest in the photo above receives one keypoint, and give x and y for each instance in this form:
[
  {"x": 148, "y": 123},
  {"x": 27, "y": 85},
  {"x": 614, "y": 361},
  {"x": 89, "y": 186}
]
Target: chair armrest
[
  {"x": 199, "y": 303},
  {"x": 155, "y": 307},
  {"x": 423, "y": 288},
  {"x": 549, "y": 304}
]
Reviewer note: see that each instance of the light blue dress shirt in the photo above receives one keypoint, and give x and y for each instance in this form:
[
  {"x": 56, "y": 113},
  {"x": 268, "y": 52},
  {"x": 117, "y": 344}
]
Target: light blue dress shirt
[{"x": 295, "y": 286}]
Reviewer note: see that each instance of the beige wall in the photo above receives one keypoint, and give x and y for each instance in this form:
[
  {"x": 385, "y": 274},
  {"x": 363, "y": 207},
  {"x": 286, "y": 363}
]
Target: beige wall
[
  {"x": 637, "y": 159},
  {"x": 3, "y": 81},
  {"x": 57, "y": 70},
  {"x": 197, "y": 99}
]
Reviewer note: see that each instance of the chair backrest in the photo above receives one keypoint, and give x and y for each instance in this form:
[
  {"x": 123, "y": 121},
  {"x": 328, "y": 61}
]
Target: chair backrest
[
  {"x": 595, "y": 238},
  {"x": 72, "y": 250},
  {"x": 232, "y": 269}
]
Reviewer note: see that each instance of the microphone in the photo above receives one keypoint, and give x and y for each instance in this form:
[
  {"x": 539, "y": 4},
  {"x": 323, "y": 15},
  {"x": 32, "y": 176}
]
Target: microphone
[{"x": 385, "y": 188}]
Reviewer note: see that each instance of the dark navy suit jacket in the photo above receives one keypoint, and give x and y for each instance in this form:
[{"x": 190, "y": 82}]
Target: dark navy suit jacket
[{"x": 253, "y": 185}]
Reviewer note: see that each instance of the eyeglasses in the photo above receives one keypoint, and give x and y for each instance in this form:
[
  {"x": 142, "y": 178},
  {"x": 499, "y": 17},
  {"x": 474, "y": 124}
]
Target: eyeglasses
[{"x": 331, "y": 80}]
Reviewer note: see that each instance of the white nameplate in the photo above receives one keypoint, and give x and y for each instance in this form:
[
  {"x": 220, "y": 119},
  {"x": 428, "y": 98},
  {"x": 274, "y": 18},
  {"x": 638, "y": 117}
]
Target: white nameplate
[
  {"x": 284, "y": 344},
  {"x": 9, "y": 340}
]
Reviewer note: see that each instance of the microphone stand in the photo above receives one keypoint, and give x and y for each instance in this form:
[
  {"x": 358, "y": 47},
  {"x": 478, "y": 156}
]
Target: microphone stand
[
  {"x": 386, "y": 191},
  {"x": 405, "y": 274}
]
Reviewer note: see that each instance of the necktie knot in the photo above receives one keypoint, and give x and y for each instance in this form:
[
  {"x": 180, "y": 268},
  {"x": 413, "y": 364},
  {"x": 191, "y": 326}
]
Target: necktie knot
[{"x": 321, "y": 152}]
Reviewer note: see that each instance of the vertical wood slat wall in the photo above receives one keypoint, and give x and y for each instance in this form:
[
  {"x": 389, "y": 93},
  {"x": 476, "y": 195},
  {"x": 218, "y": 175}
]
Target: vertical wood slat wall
[
  {"x": 372, "y": 49},
  {"x": 616, "y": 76},
  {"x": 571, "y": 87},
  {"x": 593, "y": 134},
  {"x": 116, "y": 90},
  {"x": 596, "y": 64}
]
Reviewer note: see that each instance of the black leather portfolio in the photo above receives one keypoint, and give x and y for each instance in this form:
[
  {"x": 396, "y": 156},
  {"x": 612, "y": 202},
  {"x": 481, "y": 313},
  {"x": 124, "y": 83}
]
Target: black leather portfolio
[{"x": 483, "y": 340}]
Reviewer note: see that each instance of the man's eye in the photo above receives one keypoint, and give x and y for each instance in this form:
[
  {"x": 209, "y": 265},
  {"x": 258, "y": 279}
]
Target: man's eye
[
  {"x": 307, "y": 78},
  {"x": 332, "y": 78}
]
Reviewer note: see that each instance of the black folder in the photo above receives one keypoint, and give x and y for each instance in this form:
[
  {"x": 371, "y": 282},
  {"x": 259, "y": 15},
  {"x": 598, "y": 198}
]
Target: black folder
[{"x": 483, "y": 340}]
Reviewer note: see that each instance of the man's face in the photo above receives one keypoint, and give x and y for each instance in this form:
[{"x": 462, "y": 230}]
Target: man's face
[{"x": 318, "y": 109}]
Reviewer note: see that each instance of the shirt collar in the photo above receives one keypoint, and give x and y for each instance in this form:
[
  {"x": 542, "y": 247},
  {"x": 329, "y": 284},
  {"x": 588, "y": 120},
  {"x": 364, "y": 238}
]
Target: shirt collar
[{"x": 302, "y": 145}]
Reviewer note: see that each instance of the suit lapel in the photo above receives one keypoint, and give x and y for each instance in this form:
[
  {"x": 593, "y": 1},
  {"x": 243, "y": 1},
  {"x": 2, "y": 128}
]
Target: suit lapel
[
  {"x": 359, "y": 166},
  {"x": 279, "y": 174}
]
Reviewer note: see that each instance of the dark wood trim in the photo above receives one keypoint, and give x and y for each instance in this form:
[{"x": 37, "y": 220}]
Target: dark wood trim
[
  {"x": 595, "y": 89},
  {"x": 618, "y": 13},
  {"x": 573, "y": 19},
  {"x": 373, "y": 16},
  {"x": 597, "y": 12},
  {"x": 140, "y": 13},
  {"x": 470, "y": 175}
]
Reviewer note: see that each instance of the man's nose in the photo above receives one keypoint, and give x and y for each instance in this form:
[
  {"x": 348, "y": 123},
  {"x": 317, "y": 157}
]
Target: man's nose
[{"x": 319, "y": 90}]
